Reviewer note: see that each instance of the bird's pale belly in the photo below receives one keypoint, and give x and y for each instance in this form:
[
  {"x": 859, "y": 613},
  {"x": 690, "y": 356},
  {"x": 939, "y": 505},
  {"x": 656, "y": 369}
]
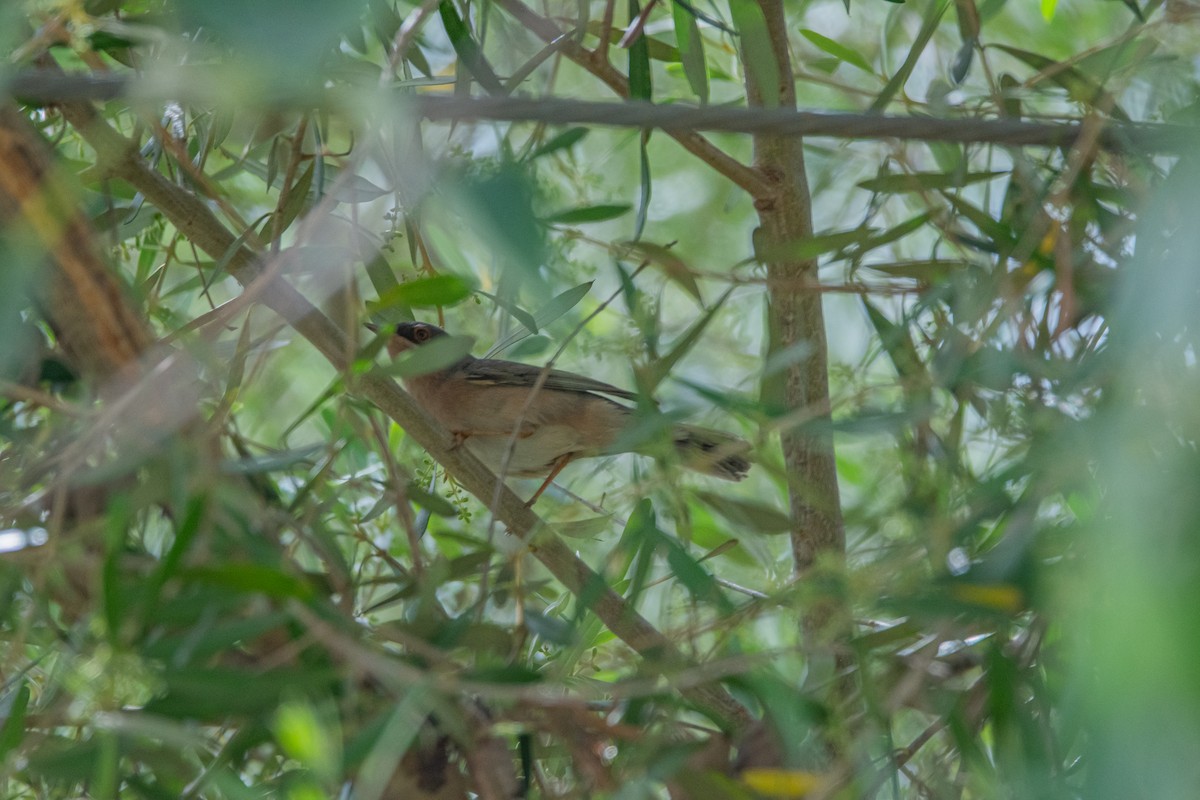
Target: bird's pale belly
[{"x": 533, "y": 456}]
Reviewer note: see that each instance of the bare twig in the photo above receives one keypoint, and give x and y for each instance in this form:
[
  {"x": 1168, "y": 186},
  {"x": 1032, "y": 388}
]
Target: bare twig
[{"x": 45, "y": 86}]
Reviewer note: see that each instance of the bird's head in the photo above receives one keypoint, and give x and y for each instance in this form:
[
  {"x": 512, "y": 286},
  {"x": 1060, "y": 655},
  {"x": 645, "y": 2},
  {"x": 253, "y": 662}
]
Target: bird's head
[{"x": 408, "y": 335}]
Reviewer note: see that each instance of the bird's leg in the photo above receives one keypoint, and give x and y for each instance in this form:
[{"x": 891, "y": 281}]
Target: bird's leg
[
  {"x": 460, "y": 436},
  {"x": 556, "y": 468}
]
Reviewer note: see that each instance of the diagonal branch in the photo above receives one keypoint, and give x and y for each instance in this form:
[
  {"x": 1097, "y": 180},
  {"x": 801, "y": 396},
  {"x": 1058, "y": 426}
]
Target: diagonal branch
[
  {"x": 120, "y": 159},
  {"x": 746, "y": 177}
]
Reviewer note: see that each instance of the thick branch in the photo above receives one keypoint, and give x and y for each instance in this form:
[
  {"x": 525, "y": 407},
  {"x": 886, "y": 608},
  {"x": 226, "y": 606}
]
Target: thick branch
[
  {"x": 194, "y": 220},
  {"x": 82, "y": 297}
]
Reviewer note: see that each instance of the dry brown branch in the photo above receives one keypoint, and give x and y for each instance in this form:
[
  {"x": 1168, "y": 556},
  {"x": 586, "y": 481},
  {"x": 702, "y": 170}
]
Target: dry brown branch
[{"x": 83, "y": 299}]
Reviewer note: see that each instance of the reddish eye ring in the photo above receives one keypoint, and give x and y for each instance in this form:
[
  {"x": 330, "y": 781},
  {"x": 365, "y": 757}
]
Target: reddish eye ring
[{"x": 421, "y": 335}]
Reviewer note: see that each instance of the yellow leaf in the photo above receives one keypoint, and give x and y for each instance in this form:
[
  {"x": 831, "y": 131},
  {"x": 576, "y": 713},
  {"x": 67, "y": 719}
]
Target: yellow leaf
[
  {"x": 1000, "y": 596},
  {"x": 783, "y": 783}
]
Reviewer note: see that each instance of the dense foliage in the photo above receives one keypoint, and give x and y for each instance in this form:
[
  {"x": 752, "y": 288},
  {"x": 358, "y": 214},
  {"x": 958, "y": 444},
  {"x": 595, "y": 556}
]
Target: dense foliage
[{"x": 237, "y": 562}]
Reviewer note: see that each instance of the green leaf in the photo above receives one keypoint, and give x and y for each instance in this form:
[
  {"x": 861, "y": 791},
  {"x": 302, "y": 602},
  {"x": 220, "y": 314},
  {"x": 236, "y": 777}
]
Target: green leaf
[
  {"x": 353, "y": 189},
  {"x": 929, "y": 271},
  {"x": 251, "y": 579},
  {"x": 753, "y": 517},
  {"x": 273, "y": 462},
  {"x": 383, "y": 280},
  {"x": 519, "y": 314},
  {"x": 639, "y": 529},
  {"x": 646, "y": 184},
  {"x": 514, "y": 673},
  {"x": 557, "y": 306},
  {"x": 813, "y": 246},
  {"x": 902, "y": 351},
  {"x": 433, "y": 503},
  {"x": 194, "y": 514},
  {"x": 469, "y": 54},
  {"x": 563, "y": 141},
  {"x": 657, "y": 49},
  {"x": 437, "y": 290},
  {"x": 757, "y": 54},
  {"x": 561, "y": 304},
  {"x": 691, "y": 51},
  {"x": 217, "y": 693},
  {"x": 582, "y": 214},
  {"x": 115, "y": 597},
  {"x": 305, "y": 736},
  {"x": 552, "y": 629},
  {"x": 432, "y": 356},
  {"x": 688, "y": 571},
  {"x": 891, "y": 234},
  {"x": 675, "y": 267},
  {"x": 1003, "y": 236},
  {"x": 61, "y": 761},
  {"x": 639, "y": 61},
  {"x": 928, "y": 26},
  {"x": 197, "y": 644},
  {"x": 500, "y": 201},
  {"x": 659, "y": 368},
  {"x": 925, "y": 181},
  {"x": 297, "y": 198},
  {"x": 588, "y": 528},
  {"x": 13, "y": 729},
  {"x": 838, "y": 50},
  {"x": 1080, "y": 87}
]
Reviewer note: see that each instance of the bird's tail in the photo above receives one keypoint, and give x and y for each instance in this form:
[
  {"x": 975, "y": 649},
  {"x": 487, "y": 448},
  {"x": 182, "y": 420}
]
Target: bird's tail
[{"x": 721, "y": 455}]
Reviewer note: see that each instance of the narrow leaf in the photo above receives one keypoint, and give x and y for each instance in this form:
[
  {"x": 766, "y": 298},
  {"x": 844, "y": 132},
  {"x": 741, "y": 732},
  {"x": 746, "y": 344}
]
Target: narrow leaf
[
  {"x": 675, "y": 267},
  {"x": 563, "y": 141},
  {"x": 639, "y": 224},
  {"x": 1080, "y": 87},
  {"x": 813, "y": 246},
  {"x": 469, "y": 54},
  {"x": 691, "y": 50},
  {"x": 583, "y": 214},
  {"x": 297, "y": 199},
  {"x": 14, "y": 724},
  {"x": 838, "y": 50},
  {"x": 925, "y": 181},
  {"x": 900, "y": 349},
  {"x": 639, "y": 61},
  {"x": 657, "y": 49},
  {"x": 436, "y": 290},
  {"x": 747, "y": 514},
  {"x": 893, "y": 87},
  {"x": 432, "y": 356},
  {"x": 660, "y": 368},
  {"x": 251, "y": 578},
  {"x": 757, "y": 54}
]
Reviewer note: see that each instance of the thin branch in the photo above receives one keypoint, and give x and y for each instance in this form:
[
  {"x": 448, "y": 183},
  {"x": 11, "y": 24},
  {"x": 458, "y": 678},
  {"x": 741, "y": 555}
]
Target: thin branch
[
  {"x": 744, "y": 176},
  {"x": 44, "y": 86}
]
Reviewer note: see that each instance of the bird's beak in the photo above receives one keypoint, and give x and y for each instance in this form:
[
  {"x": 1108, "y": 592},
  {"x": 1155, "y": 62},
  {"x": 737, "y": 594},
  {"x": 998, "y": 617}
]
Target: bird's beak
[{"x": 372, "y": 327}]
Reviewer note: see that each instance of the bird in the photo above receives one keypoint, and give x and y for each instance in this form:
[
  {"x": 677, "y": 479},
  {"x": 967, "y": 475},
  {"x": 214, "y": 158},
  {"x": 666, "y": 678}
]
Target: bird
[{"x": 483, "y": 401}]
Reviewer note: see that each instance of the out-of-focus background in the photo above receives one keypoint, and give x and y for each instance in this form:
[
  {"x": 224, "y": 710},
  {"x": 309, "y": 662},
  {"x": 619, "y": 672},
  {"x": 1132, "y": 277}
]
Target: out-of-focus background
[{"x": 965, "y": 564}]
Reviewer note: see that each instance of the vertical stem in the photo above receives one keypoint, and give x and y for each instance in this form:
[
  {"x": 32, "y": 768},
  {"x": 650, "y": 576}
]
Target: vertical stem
[{"x": 796, "y": 320}]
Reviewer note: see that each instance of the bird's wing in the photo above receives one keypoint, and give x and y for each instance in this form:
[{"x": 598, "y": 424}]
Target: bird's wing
[{"x": 510, "y": 373}]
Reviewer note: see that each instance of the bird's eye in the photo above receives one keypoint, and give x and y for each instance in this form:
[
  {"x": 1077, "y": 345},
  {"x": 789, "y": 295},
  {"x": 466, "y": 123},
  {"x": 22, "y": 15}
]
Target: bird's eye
[{"x": 421, "y": 335}]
